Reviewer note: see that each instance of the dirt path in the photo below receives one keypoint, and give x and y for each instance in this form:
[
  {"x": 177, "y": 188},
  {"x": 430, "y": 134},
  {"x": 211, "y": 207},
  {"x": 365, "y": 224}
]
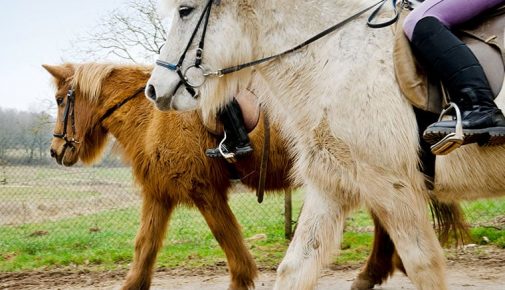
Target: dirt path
[{"x": 476, "y": 268}]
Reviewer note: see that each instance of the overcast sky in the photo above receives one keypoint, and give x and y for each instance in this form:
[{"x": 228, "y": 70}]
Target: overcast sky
[{"x": 35, "y": 32}]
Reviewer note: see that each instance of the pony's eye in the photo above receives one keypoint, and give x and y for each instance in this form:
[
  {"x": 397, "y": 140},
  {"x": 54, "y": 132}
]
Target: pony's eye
[
  {"x": 184, "y": 11},
  {"x": 59, "y": 101}
]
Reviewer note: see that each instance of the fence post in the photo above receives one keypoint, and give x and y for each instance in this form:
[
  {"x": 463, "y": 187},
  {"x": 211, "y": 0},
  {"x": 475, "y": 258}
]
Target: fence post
[{"x": 288, "y": 211}]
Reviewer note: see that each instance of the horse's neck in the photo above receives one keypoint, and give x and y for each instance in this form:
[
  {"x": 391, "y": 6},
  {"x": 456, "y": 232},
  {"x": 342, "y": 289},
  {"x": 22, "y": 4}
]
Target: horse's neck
[
  {"x": 350, "y": 60},
  {"x": 281, "y": 29},
  {"x": 283, "y": 24}
]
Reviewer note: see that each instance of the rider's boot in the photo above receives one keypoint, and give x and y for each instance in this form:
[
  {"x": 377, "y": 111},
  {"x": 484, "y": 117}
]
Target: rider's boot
[
  {"x": 237, "y": 141},
  {"x": 461, "y": 73}
]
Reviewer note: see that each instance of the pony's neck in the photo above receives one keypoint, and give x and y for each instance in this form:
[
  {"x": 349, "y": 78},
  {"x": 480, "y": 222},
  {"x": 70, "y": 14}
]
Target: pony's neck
[{"x": 128, "y": 123}]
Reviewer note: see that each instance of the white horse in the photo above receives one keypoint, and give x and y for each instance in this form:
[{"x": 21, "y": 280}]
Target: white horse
[{"x": 355, "y": 136}]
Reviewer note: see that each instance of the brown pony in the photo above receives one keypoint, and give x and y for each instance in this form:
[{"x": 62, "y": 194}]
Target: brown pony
[{"x": 166, "y": 152}]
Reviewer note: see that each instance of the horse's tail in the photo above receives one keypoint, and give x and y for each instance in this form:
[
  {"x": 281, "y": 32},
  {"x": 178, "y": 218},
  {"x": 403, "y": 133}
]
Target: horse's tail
[{"x": 449, "y": 222}]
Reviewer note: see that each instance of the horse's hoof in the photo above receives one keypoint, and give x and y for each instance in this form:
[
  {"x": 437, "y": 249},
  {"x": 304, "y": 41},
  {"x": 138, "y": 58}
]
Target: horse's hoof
[{"x": 360, "y": 284}]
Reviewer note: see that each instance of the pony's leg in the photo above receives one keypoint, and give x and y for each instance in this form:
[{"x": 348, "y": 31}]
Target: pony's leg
[
  {"x": 380, "y": 262},
  {"x": 153, "y": 225},
  {"x": 317, "y": 236},
  {"x": 226, "y": 230},
  {"x": 402, "y": 210}
]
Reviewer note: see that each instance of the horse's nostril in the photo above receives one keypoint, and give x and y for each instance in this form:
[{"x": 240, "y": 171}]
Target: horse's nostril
[
  {"x": 151, "y": 92},
  {"x": 53, "y": 153}
]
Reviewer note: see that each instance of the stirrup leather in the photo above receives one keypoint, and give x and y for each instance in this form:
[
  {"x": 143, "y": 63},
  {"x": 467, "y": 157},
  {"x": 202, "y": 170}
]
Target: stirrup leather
[{"x": 453, "y": 140}]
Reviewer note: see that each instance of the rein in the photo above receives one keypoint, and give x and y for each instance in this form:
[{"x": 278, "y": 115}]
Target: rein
[
  {"x": 201, "y": 73},
  {"x": 112, "y": 109}
]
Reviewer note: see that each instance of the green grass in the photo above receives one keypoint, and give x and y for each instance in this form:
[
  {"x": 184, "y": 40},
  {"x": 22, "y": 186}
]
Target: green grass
[
  {"x": 21, "y": 194},
  {"x": 105, "y": 240},
  {"x": 189, "y": 243}
]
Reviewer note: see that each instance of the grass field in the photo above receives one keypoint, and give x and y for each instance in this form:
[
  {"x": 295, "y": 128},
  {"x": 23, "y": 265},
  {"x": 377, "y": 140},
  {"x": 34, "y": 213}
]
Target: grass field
[{"x": 88, "y": 217}]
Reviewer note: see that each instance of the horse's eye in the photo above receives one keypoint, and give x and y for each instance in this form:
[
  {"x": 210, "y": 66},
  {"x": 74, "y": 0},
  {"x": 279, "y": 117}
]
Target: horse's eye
[
  {"x": 184, "y": 11},
  {"x": 59, "y": 101}
]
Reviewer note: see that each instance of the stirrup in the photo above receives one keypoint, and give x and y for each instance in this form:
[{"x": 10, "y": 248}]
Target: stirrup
[
  {"x": 453, "y": 140},
  {"x": 230, "y": 157}
]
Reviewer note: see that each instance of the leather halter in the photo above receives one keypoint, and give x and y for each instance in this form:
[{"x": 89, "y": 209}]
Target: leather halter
[
  {"x": 70, "y": 113},
  {"x": 203, "y": 73}
]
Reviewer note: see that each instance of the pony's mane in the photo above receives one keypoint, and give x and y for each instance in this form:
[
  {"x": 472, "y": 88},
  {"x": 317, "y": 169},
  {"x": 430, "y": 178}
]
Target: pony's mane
[{"x": 88, "y": 78}]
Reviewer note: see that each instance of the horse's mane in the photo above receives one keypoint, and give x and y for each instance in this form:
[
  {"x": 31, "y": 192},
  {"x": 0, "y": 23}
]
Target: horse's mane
[{"x": 88, "y": 77}]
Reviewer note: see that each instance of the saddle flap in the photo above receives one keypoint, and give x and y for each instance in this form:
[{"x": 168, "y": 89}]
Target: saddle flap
[{"x": 409, "y": 74}]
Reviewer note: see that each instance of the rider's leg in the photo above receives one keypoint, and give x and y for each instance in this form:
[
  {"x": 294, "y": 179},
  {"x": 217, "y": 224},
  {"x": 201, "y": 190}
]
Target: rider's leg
[
  {"x": 460, "y": 71},
  {"x": 453, "y": 62},
  {"x": 450, "y": 12},
  {"x": 237, "y": 141}
]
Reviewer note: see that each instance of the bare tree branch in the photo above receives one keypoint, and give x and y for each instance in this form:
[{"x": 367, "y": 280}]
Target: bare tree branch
[{"x": 134, "y": 33}]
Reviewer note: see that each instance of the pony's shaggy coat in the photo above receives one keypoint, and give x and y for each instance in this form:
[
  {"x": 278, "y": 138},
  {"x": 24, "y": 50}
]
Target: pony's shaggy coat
[
  {"x": 166, "y": 152},
  {"x": 355, "y": 138}
]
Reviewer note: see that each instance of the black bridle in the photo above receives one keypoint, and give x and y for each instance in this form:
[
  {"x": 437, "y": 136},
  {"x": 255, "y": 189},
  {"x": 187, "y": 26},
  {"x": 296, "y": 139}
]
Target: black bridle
[
  {"x": 69, "y": 113},
  {"x": 197, "y": 67},
  {"x": 202, "y": 73}
]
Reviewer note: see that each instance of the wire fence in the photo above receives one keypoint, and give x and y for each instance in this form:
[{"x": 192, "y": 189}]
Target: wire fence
[
  {"x": 42, "y": 204},
  {"x": 100, "y": 205}
]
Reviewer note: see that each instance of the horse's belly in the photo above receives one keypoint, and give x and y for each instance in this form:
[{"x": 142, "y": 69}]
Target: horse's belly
[{"x": 471, "y": 172}]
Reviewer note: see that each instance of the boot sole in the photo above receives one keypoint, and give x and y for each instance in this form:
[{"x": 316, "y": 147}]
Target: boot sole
[
  {"x": 496, "y": 138},
  {"x": 484, "y": 137}
]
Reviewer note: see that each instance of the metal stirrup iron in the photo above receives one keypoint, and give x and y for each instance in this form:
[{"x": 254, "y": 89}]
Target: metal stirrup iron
[{"x": 453, "y": 140}]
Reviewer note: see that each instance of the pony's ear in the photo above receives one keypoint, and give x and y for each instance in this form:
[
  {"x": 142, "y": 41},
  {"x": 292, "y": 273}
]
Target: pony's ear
[{"x": 59, "y": 72}]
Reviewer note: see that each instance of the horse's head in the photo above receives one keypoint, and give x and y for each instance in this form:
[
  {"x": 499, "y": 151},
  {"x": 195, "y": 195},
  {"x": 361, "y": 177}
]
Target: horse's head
[
  {"x": 178, "y": 81},
  {"x": 77, "y": 132}
]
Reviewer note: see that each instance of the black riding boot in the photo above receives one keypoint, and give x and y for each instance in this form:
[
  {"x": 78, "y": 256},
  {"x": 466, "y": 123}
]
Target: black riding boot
[
  {"x": 461, "y": 73},
  {"x": 237, "y": 141}
]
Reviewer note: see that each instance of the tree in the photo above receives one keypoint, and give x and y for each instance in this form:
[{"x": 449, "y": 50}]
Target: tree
[
  {"x": 134, "y": 33},
  {"x": 24, "y": 136}
]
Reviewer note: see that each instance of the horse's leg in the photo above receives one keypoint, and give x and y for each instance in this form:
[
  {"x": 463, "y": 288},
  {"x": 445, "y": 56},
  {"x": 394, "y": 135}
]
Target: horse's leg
[
  {"x": 402, "y": 210},
  {"x": 380, "y": 262},
  {"x": 317, "y": 236},
  {"x": 153, "y": 225},
  {"x": 226, "y": 230}
]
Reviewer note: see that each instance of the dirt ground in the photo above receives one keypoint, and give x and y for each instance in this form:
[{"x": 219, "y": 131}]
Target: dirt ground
[{"x": 472, "y": 268}]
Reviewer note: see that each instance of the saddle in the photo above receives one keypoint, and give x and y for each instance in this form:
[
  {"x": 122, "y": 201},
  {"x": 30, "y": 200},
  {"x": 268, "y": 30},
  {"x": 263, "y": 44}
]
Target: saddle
[{"x": 485, "y": 37}]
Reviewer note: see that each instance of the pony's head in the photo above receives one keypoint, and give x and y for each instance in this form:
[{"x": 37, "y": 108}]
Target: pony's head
[
  {"x": 78, "y": 133},
  {"x": 227, "y": 41}
]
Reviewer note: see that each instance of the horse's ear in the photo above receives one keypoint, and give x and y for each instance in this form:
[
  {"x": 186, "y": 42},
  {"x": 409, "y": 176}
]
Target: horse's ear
[{"x": 60, "y": 72}]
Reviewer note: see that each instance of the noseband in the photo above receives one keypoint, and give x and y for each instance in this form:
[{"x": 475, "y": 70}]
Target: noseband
[{"x": 195, "y": 75}]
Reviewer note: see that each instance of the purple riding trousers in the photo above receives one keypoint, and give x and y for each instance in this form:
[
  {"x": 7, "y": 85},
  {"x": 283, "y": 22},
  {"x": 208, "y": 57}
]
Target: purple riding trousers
[{"x": 450, "y": 12}]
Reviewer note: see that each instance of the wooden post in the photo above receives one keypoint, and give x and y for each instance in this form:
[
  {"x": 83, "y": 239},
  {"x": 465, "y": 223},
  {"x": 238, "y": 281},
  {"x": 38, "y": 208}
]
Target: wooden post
[{"x": 288, "y": 211}]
